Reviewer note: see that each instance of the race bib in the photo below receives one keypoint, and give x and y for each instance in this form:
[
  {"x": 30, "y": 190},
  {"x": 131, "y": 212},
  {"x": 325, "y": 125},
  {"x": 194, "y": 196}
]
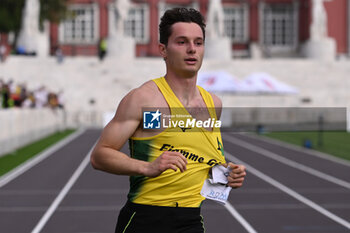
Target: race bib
[{"x": 215, "y": 187}]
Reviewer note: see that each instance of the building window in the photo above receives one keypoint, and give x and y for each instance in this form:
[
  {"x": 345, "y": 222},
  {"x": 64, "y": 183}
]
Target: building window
[
  {"x": 137, "y": 23},
  {"x": 236, "y": 22},
  {"x": 279, "y": 24},
  {"x": 81, "y": 26}
]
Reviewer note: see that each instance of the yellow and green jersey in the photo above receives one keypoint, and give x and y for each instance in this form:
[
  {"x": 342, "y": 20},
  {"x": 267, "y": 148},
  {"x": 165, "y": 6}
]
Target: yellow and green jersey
[{"x": 202, "y": 148}]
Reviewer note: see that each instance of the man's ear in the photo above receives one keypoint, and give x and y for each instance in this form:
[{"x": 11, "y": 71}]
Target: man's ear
[{"x": 162, "y": 50}]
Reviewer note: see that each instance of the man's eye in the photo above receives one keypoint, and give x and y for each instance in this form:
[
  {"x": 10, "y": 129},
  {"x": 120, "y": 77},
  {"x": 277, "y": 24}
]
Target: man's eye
[
  {"x": 181, "y": 42},
  {"x": 199, "y": 43}
]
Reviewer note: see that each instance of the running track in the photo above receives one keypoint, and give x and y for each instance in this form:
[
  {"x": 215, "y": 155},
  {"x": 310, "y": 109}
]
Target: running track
[{"x": 286, "y": 190}]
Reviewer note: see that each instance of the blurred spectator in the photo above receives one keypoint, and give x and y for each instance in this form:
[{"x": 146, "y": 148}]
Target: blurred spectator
[
  {"x": 5, "y": 93},
  {"x": 1, "y": 86},
  {"x": 41, "y": 97},
  {"x": 59, "y": 55},
  {"x": 52, "y": 100},
  {"x": 12, "y": 86},
  {"x": 17, "y": 95},
  {"x": 29, "y": 101},
  {"x": 2, "y": 52},
  {"x": 60, "y": 99},
  {"x": 21, "y": 50},
  {"x": 23, "y": 92},
  {"x": 102, "y": 48}
]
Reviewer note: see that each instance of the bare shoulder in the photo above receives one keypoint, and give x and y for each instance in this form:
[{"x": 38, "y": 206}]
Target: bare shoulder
[
  {"x": 141, "y": 96},
  {"x": 217, "y": 103},
  {"x": 148, "y": 91},
  {"x": 147, "y": 95},
  {"x": 128, "y": 116},
  {"x": 217, "y": 100}
]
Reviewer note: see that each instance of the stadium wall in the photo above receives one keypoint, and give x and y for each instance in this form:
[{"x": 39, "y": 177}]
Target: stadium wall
[
  {"x": 23, "y": 126},
  {"x": 284, "y": 119}
]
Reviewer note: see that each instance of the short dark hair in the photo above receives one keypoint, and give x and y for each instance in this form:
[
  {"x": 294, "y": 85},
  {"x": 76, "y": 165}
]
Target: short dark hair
[{"x": 176, "y": 15}]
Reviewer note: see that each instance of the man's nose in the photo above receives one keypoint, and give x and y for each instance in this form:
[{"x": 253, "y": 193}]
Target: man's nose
[{"x": 191, "y": 47}]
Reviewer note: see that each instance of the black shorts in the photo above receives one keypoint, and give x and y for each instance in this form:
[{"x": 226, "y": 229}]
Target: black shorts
[{"x": 135, "y": 218}]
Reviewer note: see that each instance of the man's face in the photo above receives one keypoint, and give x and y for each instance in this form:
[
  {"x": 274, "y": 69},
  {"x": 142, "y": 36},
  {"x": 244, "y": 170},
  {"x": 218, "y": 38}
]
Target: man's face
[{"x": 185, "y": 49}]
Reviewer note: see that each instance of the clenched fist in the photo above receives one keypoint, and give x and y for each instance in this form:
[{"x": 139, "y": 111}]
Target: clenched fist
[{"x": 236, "y": 176}]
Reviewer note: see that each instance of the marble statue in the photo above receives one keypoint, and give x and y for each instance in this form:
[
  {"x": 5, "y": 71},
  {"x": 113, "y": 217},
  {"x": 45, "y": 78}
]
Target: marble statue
[
  {"x": 319, "y": 20},
  {"x": 121, "y": 8},
  {"x": 217, "y": 44},
  {"x": 119, "y": 45},
  {"x": 215, "y": 19},
  {"x": 320, "y": 46},
  {"x": 30, "y": 27}
]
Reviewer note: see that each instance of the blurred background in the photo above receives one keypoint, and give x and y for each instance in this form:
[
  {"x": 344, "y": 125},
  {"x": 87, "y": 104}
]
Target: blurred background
[
  {"x": 71, "y": 62},
  {"x": 281, "y": 68},
  {"x": 78, "y": 58}
]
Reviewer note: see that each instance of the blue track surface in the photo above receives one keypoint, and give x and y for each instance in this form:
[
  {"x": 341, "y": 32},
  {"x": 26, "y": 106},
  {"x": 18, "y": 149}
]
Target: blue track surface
[{"x": 279, "y": 195}]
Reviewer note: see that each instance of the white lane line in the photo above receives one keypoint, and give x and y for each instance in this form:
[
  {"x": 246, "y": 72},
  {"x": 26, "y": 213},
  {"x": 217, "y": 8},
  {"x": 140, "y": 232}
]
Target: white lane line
[
  {"x": 59, "y": 209},
  {"x": 25, "y": 192},
  {"x": 63, "y": 193},
  {"x": 301, "y": 149},
  {"x": 301, "y": 206},
  {"x": 289, "y": 191},
  {"x": 239, "y": 218},
  {"x": 13, "y": 174},
  {"x": 288, "y": 162},
  {"x": 267, "y": 206}
]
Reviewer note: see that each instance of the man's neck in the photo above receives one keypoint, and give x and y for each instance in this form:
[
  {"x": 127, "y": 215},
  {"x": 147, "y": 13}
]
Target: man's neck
[{"x": 184, "y": 88}]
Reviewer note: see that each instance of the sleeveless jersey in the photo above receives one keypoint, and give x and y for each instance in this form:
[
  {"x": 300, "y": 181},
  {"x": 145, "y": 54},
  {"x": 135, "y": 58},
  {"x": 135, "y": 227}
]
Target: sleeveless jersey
[{"x": 202, "y": 148}]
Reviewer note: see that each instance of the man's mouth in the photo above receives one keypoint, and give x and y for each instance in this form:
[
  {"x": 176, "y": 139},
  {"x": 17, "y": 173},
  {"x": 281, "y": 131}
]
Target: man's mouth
[{"x": 191, "y": 61}]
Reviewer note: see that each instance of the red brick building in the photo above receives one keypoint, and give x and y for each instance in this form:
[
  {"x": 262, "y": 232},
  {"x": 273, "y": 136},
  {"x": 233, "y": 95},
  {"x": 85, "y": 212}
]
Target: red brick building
[{"x": 278, "y": 27}]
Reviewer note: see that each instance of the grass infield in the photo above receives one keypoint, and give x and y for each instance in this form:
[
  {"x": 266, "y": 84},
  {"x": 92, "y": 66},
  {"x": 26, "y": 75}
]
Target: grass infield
[
  {"x": 17, "y": 157},
  {"x": 336, "y": 143}
]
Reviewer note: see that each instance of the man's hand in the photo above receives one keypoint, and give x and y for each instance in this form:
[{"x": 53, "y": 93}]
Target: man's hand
[
  {"x": 236, "y": 176},
  {"x": 167, "y": 160}
]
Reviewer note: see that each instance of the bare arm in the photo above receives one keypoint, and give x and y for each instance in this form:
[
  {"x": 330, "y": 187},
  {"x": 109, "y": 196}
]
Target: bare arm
[{"x": 107, "y": 156}]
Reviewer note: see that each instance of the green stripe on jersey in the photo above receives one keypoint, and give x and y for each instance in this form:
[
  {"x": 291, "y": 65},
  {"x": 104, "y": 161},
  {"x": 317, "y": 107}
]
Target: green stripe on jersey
[{"x": 139, "y": 149}]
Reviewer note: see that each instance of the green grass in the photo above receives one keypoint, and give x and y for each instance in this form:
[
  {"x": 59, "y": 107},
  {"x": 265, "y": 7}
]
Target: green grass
[
  {"x": 17, "y": 157},
  {"x": 336, "y": 143}
]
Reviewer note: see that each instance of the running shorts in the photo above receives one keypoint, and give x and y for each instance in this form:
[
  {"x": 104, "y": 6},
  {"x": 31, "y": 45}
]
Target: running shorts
[{"x": 136, "y": 218}]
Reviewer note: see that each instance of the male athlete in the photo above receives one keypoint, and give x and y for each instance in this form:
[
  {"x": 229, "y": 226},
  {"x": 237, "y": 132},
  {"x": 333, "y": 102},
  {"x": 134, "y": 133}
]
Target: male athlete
[{"x": 167, "y": 169}]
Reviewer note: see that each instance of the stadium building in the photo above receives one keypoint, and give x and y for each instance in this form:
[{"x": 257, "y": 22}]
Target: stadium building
[{"x": 274, "y": 28}]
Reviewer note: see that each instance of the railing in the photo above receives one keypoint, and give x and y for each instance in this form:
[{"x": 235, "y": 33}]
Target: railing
[{"x": 19, "y": 127}]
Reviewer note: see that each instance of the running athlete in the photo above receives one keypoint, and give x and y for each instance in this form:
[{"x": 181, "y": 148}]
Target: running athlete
[{"x": 167, "y": 169}]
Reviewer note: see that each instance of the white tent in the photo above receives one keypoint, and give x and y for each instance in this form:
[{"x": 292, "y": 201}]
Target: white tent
[
  {"x": 218, "y": 81},
  {"x": 255, "y": 83},
  {"x": 264, "y": 83}
]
